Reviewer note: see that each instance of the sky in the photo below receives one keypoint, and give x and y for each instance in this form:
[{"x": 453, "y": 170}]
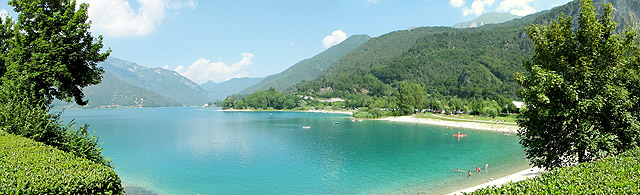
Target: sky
[{"x": 218, "y": 40}]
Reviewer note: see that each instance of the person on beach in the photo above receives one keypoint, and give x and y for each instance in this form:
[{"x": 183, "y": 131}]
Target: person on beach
[
  {"x": 486, "y": 166},
  {"x": 458, "y": 169},
  {"x": 477, "y": 170},
  {"x": 469, "y": 173}
]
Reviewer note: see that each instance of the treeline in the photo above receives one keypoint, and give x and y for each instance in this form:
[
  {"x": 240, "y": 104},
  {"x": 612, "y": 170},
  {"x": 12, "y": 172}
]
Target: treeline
[
  {"x": 409, "y": 98},
  {"x": 266, "y": 99}
]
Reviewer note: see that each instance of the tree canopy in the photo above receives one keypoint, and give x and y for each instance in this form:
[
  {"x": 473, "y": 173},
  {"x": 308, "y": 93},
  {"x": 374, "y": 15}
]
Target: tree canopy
[
  {"x": 581, "y": 90},
  {"x": 48, "y": 51}
]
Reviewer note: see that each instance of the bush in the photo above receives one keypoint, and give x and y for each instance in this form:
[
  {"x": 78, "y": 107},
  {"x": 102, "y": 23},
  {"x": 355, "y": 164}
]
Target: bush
[
  {"x": 29, "y": 167},
  {"x": 31, "y": 119},
  {"x": 370, "y": 113},
  {"x": 613, "y": 175},
  {"x": 362, "y": 114}
]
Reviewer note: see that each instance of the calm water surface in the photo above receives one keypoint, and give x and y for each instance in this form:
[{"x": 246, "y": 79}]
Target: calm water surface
[{"x": 206, "y": 151}]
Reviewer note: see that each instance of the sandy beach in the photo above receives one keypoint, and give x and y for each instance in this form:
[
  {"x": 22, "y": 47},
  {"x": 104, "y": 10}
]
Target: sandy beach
[
  {"x": 456, "y": 124},
  {"x": 519, "y": 176}
]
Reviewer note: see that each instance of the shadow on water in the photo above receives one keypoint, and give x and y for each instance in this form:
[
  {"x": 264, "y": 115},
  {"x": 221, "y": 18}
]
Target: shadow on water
[{"x": 137, "y": 190}]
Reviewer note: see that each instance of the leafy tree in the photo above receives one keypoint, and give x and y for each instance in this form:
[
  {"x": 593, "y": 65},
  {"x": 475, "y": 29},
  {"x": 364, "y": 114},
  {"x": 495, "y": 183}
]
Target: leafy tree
[
  {"x": 581, "y": 90},
  {"x": 410, "y": 97},
  {"x": 49, "y": 50},
  {"x": 48, "y": 53}
]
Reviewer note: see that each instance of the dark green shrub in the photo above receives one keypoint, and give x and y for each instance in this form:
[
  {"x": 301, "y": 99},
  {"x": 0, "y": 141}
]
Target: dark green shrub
[
  {"x": 20, "y": 115},
  {"x": 29, "y": 167},
  {"x": 612, "y": 175}
]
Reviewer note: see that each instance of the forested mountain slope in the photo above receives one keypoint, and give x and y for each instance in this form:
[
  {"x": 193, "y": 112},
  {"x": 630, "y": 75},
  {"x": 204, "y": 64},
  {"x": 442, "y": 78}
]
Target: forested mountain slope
[
  {"x": 308, "y": 69},
  {"x": 472, "y": 62},
  {"x": 488, "y": 18}
]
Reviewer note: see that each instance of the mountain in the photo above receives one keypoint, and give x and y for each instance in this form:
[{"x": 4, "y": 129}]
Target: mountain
[
  {"x": 466, "y": 63},
  {"x": 488, "y": 18},
  {"x": 309, "y": 68},
  {"x": 115, "y": 93},
  {"x": 164, "y": 82},
  {"x": 230, "y": 87},
  {"x": 625, "y": 12}
]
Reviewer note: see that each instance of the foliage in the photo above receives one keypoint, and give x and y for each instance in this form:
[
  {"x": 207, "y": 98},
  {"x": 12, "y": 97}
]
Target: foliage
[
  {"x": 371, "y": 113},
  {"x": 410, "y": 97},
  {"x": 20, "y": 117},
  {"x": 48, "y": 53},
  {"x": 612, "y": 175},
  {"x": 581, "y": 91},
  {"x": 50, "y": 49},
  {"x": 28, "y": 167},
  {"x": 267, "y": 99}
]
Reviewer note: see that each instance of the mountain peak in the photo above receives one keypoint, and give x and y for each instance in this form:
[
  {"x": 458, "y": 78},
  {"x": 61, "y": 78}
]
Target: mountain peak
[{"x": 488, "y": 18}]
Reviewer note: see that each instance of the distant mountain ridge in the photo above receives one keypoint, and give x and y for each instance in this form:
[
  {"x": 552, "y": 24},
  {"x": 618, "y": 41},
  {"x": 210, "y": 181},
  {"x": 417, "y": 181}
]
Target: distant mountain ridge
[
  {"x": 308, "y": 69},
  {"x": 230, "y": 87},
  {"x": 167, "y": 83},
  {"x": 115, "y": 93},
  {"x": 488, "y": 18}
]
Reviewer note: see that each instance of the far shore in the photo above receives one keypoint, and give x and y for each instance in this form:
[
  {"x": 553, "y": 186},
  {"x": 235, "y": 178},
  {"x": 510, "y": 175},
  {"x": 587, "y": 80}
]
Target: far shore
[
  {"x": 409, "y": 119},
  {"x": 314, "y": 111}
]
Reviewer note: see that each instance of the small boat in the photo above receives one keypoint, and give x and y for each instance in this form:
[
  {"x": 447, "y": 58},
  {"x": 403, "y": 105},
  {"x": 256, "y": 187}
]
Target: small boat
[
  {"x": 306, "y": 127},
  {"x": 459, "y": 135},
  {"x": 335, "y": 123}
]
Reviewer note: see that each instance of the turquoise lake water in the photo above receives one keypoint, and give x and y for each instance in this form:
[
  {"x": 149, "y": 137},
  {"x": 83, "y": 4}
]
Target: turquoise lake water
[{"x": 206, "y": 151}]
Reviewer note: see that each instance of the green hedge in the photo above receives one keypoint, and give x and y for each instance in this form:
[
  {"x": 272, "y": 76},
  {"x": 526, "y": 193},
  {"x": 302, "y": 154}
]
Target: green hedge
[
  {"x": 613, "y": 175},
  {"x": 29, "y": 167}
]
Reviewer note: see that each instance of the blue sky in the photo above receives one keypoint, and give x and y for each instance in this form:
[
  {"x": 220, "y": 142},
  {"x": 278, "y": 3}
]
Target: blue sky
[{"x": 219, "y": 40}]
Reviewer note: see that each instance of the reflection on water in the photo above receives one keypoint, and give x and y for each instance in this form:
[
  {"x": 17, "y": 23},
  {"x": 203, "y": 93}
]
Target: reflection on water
[{"x": 201, "y": 150}]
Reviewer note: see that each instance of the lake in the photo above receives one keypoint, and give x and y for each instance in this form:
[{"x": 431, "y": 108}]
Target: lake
[{"x": 207, "y": 151}]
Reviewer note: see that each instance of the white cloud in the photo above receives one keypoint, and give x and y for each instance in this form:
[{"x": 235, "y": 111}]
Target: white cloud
[
  {"x": 182, "y": 4},
  {"x": 203, "y": 70},
  {"x": 478, "y": 7},
  {"x": 334, "y": 38},
  {"x": 517, "y": 7},
  {"x": 4, "y": 14},
  {"x": 118, "y": 19},
  {"x": 456, "y": 3}
]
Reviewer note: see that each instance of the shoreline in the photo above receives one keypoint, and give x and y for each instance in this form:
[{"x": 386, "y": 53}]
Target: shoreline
[
  {"x": 456, "y": 124},
  {"x": 515, "y": 177},
  {"x": 312, "y": 111}
]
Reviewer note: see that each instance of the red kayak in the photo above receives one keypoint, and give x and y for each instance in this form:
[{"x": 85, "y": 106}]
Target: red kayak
[{"x": 459, "y": 135}]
